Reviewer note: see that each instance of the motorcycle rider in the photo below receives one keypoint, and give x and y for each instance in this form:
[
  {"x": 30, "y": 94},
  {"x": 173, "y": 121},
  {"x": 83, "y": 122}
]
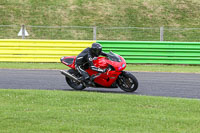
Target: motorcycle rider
[{"x": 86, "y": 58}]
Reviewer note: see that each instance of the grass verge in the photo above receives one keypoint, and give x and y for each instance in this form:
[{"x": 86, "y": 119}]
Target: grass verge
[
  {"x": 110, "y": 13},
  {"x": 130, "y": 67},
  {"x": 65, "y": 111}
]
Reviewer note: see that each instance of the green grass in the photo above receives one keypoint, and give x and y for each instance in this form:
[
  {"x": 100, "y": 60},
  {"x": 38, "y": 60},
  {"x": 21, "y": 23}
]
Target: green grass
[
  {"x": 17, "y": 65},
  {"x": 164, "y": 68},
  {"x": 103, "y": 13},
  {"x": 87, "y": 112},
  {"x": 130, "y": 67}
]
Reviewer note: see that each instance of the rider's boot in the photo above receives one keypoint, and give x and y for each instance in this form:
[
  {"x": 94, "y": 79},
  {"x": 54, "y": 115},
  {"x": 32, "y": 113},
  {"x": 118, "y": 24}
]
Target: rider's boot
[
  {"x": 94, "y": 76},
  {"x": 87, "y": 82}
]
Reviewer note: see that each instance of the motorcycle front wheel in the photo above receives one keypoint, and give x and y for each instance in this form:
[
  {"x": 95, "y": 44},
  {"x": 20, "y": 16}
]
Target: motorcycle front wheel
[
  {"x": 127, "y": 82},
  {"x": 74, "y": 84}
]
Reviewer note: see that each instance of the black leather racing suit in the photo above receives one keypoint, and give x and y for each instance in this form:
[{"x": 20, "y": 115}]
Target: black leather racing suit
[{"x": 86, "y": 58}]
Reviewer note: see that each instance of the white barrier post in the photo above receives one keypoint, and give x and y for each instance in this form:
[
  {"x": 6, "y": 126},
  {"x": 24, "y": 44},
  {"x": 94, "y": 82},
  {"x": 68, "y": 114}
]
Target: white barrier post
[
  {"x": 94, "y": 33},
  {"x": 23, "y": 32},
  {"x": 161, "y": 33}
]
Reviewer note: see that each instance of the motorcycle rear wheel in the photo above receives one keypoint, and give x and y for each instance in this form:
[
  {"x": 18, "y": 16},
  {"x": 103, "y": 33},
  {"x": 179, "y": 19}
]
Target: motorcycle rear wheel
[
  {"x": 127, "y": 82},
  {"x": 74, "y": 84}
]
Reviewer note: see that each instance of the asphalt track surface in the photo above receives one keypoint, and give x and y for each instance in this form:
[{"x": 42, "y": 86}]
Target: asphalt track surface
[{"x": 184, "y": 85}]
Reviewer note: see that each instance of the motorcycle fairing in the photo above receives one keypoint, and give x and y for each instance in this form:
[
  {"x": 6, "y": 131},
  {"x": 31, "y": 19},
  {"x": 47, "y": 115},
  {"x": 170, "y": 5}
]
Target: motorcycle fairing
[
  {"x": 69, "y": 61},
  {"x": 106, "y": 79}
]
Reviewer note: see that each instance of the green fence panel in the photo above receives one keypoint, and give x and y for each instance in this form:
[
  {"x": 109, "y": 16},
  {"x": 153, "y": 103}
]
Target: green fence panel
[{"x": 155, "y": 52}]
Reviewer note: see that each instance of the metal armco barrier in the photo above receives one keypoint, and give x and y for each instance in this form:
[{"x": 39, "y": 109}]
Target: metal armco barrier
[
  {"x": 155, "y": 52},
  {"x": 133, "y": 51},
  {"x": 39, "y": 50}
]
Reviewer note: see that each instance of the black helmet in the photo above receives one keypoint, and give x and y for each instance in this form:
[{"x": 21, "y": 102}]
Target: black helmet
[{"x": 96, "y": 49}]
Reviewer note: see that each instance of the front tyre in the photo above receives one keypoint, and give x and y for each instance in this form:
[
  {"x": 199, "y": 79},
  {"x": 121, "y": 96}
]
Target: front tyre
[
  {"x": 127, "y": 82},
  {"x": 74, "y": 84}
]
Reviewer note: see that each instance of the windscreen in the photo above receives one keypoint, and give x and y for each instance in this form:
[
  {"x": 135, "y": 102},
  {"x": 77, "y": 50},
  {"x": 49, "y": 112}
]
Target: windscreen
[{"x": 113, "y": 57}]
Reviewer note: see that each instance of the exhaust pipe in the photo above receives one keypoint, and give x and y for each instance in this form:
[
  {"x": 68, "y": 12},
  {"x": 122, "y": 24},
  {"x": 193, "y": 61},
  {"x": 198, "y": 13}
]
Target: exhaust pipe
[{"x": 69, "y": 75}]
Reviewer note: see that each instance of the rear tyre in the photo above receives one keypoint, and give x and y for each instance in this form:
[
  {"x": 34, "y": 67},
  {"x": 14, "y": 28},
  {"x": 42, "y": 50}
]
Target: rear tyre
[
  {"x": 127, "y": 82},
  {"x": 75, "y": 85}
]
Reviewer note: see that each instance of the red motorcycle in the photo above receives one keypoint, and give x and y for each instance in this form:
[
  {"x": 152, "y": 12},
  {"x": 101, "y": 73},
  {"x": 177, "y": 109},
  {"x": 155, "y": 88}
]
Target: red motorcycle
[{"x": 114, "y": 76}]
